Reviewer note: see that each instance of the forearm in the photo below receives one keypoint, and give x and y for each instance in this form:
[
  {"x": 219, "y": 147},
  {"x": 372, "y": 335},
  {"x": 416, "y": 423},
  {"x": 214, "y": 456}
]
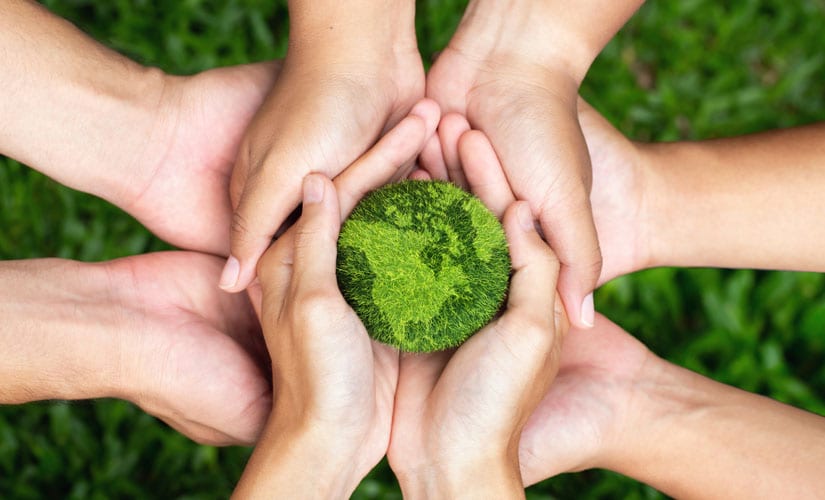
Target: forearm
[
  {"x": 751, "y": 202},
  {"x": 72, "y": 109},
  {"x": 697, "y": 438},
  {"x": 54, "y": 335},
  {"x": 370, "y": 27}
]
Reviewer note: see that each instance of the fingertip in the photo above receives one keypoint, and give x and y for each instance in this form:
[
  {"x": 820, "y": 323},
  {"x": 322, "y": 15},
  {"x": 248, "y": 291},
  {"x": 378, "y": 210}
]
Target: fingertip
[
  {"x": 588, "y": 311},
  {"x": 429, "y": 111},
  {"x": 432, "y": 159},
  {"x": 420, "y": 175},
  {"x": 230, "y": 274},
  {"x": 313, "y": 189}
]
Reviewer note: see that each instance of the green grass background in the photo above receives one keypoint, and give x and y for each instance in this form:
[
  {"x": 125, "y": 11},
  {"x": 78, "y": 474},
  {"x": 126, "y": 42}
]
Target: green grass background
[{"x": 681, "y": 69}]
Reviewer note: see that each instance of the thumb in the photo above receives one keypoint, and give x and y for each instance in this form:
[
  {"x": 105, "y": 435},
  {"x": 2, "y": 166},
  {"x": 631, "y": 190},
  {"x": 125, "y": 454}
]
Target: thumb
[{"x": 316, "y": 239}]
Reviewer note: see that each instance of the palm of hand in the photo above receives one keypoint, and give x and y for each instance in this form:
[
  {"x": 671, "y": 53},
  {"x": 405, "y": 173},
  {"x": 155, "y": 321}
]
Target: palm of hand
[
  {"x": 587, "y": 406},
  {"x": 468, "y": 399},
  {"x": 523, "y": 117},
  {"x": 355, "y": 387},
  {"x": 617, "y": 199},
  {"x": 185, "y": 198},
  {"x": 197, "y": 353}
]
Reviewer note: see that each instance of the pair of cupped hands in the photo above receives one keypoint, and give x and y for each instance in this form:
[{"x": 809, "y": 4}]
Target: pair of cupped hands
[
  {"x": 236, "y": 148},
  {"x": 514, "y": 394}
]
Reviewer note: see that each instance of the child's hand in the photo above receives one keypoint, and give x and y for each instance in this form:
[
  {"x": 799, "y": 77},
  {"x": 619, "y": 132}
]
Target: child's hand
[
  {"x": 327, "y": 108},
  {"x": 191, "y": 355},
  {"x": 458, "y": 417}
]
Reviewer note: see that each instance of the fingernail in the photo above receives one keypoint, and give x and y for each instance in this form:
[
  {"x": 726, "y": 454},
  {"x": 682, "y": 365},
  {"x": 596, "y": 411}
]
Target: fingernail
[
  {"x": 313, "y": 189},
  {"x": 230, "y": 274},
  {"x": 525, "y": 217},
  {"x": 588, "y": 310}
]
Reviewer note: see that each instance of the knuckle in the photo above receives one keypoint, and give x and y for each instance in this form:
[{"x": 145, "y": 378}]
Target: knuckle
[
  {"x": 310, "y": 307},
  {"x": 531, "y": 330},
  {"x": 239, "y": 227},
  {"x": 277, "y": 256}
]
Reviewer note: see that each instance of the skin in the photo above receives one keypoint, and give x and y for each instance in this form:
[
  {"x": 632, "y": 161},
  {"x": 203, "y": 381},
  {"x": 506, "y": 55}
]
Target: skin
[
  {"x": 169, "y": 168},
  {"x": 357, "y": 66},
  {"x": 617, "y": 406},
  {"x": 150, "y": 329},
  {"x": 336, "y": 417},
  {"x": 508, "y": 75},
  {"x": 333, "y": 416},
  {"x": 133, "y": 320}
]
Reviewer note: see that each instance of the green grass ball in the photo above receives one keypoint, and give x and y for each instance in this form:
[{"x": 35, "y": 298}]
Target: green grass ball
[{"x": 424, "y": 264}]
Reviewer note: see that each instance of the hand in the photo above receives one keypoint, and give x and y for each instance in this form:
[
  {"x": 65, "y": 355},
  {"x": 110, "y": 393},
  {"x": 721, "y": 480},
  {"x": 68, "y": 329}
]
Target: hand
[
  {"x": 581, "y": 420},
  {"x": 181, "y": 191},
  {"x": 191, "y": 355},
  {"x": 330, "y": 104},
  {"x": 334, "y": 386},
  {"x": 620, "y": 205},
  {"x": 458, "y": 418},
  {"x": 491, "y": 77}
]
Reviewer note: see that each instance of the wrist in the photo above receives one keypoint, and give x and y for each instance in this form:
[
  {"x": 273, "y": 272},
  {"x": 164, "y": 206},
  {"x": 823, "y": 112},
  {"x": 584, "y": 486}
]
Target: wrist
[
  {"x": 665, "y": 396},
  {"x": 79, "y": 112},
  {"x": 559, "y": 36},
  {"x": 289, "y": 457},
  {"x": 60, "y": 332},
  {"x": 670, "y": 192},
  {"x": 482, "y": 477}
]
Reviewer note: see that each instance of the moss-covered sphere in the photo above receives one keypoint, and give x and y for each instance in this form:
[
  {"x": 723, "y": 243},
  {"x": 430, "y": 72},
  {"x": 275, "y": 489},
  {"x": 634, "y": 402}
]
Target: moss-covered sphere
[{"x": 423, "y": 264}]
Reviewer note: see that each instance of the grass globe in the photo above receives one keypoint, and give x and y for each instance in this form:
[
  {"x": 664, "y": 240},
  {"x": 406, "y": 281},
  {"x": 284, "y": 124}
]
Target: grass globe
[{"x": 424, "y": 264}]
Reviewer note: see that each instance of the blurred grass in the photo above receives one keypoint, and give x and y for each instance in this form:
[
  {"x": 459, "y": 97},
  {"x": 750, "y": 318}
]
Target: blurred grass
[{"x": 687, "y": 69}]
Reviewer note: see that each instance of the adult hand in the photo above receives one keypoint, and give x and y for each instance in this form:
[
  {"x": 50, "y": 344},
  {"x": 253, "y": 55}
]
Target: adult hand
[
  {"x": 158, "y": 146},
  {"x": 190, "y": 354},
  {"x": 180, "y": 190},
  {"x": 151, "y": 329},
  {"x": 496, "y": 76},
  {"x": 582, "y": 419},
  {"x": 334, "y": 386},
  {"x": 458, "y": 417},
  {"x": 345, "y": 81},
  {"x": 620, "y": 195}
]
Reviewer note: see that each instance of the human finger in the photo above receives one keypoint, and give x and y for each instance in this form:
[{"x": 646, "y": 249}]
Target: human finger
[
  {"x": 452, "y": 126},
  {"x": 316, "y": 239},
  {"x": 482, "y": 169}
]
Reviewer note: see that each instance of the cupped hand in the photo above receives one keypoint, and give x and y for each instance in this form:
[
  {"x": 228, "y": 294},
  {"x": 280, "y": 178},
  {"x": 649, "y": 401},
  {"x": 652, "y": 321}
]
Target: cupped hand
[
  {"x": 528, "y": 110},
  {"x": 620, "y": 206},
  {"x": 181, "y": 193},
  {"x": 328, "y": 374},
  {"x": 580, "y": 422},
  {"x": 326, "y": 109},
  {"x": 192, "y": 355},
  {"x": 459, "y": 416},
  {"x": 334, "y": 386}
]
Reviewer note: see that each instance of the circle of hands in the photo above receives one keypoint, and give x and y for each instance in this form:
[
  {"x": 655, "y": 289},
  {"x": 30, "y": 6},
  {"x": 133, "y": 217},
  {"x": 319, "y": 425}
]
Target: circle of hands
[{"x": 240, "y": 148}]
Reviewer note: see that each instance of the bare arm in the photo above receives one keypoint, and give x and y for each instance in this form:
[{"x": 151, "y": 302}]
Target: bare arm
[
  {"x": 72, "y": 109},
  {"x": 751, "y": 202},
  {"x": 698, "y": 438},
  {"x": 616, "y": 405},
  {"x": 58, "y": 334}
]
